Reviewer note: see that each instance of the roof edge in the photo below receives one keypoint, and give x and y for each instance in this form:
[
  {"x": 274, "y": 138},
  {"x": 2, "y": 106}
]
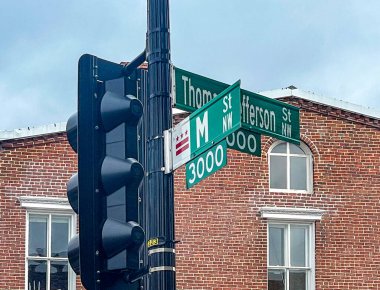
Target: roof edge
[
  {"x": 274, "y": 94},
  {"x": 326, "y": 101},
  {"x": 37, "y": 131},
  {"x": 32, "y": 131}
]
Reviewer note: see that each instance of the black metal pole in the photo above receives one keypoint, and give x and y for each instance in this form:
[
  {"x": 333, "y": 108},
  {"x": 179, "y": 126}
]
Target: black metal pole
[{"x": 159, "y": 201}]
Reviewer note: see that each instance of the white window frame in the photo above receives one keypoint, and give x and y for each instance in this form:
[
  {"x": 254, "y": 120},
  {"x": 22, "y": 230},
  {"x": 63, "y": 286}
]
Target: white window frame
[
  {"x": 309, "y": 167},
  {"x": 294, "y": 216},
  {"x": 48, "y": 206},
  {"x": 310, "y": 269}
]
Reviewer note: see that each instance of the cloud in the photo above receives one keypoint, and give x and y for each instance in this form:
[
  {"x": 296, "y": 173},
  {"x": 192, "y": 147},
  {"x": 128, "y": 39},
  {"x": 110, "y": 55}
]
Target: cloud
[
  {"x": 351, "y": 75},
  {"x": 324, "y": 47},
  {"x": 38, "y": 79}
]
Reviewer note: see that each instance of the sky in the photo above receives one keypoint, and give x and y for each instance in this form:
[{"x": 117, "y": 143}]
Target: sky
[{"x": 330, "y": 47}]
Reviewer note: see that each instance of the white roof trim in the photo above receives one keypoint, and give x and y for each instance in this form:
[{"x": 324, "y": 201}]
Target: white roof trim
[
  {"x": 280, "y": 93},
  {"x": 285, "y": 213},
  {"x": 33, "y": 131},
  {"x": 274, "y": 94},
  {"x": 41, "y": 202},
  {"x": 43, "y": 130}
]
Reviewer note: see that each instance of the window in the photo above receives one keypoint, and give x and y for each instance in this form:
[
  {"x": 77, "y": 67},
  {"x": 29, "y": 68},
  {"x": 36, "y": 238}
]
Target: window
[
  {"x": 47, "y": 263},
  {"x": 290, "y": 167},
  {"x": 50, "y": 226},
  {"x": 291, "y": 247},
  {"x": 290, "y": 256}
]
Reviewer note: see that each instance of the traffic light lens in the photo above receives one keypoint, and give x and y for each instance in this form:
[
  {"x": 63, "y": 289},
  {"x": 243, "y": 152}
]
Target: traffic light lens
[
  {"x": 73, "y": 254},
  {"x": 72, "y": 131},
  {"x": 137, "y": 171},
  {"x": 116, "y": 109},
  {"x": 137, "y": 236},
  {"x": 117, "y": 173},
  {"x": 136, "y": 108},
  {"x": 117, "y": 236},
  {"x": 72, "y": 192}
]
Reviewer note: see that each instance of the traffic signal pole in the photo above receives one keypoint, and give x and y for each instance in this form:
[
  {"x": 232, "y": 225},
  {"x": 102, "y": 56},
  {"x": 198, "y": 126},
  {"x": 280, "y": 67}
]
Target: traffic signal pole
[{"x": 159, "y": 190}]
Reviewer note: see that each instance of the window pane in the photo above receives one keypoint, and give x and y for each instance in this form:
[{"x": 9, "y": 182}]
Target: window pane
[
  {"x": 37, "y": 275},
  {"x": 294, "y": 149},
  {"x": 276, "y": 280},
  {"x": 278, "y": 172},
  {"x": 276, "y": 246},
  {"x": 280, "y": 148},
  {"x": 297, "y": 280},
  {"x": 298, "y": 173},
  {"x": 298, "y": 246},
  {"x": 37, "y": 235},
  {"x": 59, "y": 236},
  {"x": 59, "y": 275}
]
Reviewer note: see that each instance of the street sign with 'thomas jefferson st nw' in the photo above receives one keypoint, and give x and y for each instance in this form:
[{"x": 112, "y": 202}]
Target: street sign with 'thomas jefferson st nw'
[{"x": 258, "y": 113}]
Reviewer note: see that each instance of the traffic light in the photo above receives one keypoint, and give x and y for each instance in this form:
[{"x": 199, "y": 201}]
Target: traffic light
[{"x": 105, "y": 190}]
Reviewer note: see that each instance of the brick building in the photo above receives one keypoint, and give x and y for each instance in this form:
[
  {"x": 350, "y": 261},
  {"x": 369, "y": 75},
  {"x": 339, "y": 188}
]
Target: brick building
[{"x": 298, "y": 217}]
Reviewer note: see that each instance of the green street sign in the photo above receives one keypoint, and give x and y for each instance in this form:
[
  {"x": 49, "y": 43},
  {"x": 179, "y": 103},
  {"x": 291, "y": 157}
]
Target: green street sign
[
  {"x": 206, "y": 126},
  {"x": 258, "y": 113},
  {"x": 215, "y": 120},
  {"x": 206, "y": 164},
  {"x": 245, "y": 141}
]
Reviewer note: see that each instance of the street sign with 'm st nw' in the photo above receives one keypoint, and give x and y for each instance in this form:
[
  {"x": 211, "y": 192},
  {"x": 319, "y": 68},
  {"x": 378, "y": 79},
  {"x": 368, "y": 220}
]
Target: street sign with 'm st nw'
[
  {"x": 258, "y": 113},
  {"x": 206, "y": 126}
]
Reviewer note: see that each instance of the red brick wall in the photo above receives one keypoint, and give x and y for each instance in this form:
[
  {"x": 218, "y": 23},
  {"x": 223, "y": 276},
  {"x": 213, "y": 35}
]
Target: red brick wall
[
  {"x": 37, "y": 166},
  {"x": 223, "y": 237}
]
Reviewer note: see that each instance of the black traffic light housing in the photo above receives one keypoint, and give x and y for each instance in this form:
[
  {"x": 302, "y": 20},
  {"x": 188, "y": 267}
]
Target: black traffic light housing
[{"x": 109, "y": 175}]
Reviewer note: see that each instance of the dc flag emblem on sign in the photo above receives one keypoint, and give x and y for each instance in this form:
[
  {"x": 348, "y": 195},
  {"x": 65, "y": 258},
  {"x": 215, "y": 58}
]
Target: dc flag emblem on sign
[{"x": 181, "y": 144}]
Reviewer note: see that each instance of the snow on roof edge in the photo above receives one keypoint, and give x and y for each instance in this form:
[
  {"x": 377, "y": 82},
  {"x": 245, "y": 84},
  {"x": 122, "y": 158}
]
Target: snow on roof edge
[
  {"x": 32, "y": 131},
  {"x": 274, "y": 94},
  {"x": 347, "y": 106}
]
